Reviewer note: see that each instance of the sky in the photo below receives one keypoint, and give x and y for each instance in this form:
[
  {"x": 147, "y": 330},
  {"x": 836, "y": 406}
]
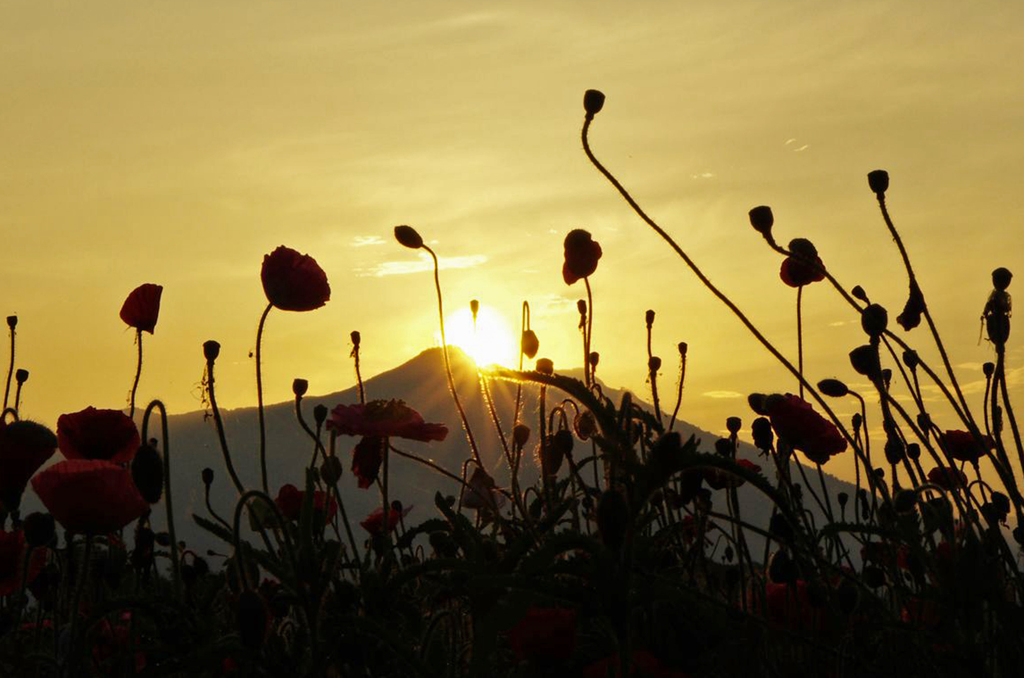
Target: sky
[{"x": 178, "y": 143}]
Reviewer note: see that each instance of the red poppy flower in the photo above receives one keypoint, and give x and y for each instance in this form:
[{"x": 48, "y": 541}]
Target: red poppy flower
[
  {"x": 12, "y": 562},
  {"x": 963, "y": 446},
  {"x": 947, "y": 478},
  {"x": 384, "y": 419},
  {"x": 289, "y": 502},
  {"x": 89, "y": 495},
  {"x": 796, "y": 421},
  {"x": 109, "y": 435},
  {"x": 366, "y": 459},
  {"x": 544, "y": 635},
  {"x": 24, "y": 447},
  {"x": 142, "y": 307},
  {"x": 581, "y": 255},
  {"x": 789, "y": 606},
  {"x": 796, "y": 272},
  {"x": 293, "y": 281},
  {"x": 718, "y": 479},
  {"x": 374, "y": 523}
]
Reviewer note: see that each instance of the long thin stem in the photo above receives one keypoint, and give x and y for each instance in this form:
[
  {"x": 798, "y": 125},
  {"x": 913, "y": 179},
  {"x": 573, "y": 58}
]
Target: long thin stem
[
  {"x": 219, "y": 422},
  {"x": 359, "y": 376},
  {"x": 168, "y": 499},
  {"x": 138, "y": 373},
  {"x": 10, "y": 366},
  {"x": 588, "y": 369},
  {"x": 679, "y": 394},
  {"x": 800, "y": 334},
  {"x": 259, "y": 400}
]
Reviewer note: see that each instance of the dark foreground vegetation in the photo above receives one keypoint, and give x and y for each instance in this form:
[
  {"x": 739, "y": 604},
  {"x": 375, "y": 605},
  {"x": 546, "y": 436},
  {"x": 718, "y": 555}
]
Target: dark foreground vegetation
[{"x": 629, "y": 556}]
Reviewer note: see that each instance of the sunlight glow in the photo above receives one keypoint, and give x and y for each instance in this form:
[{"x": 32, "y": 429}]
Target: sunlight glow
[{"x": 492, "y": 341}]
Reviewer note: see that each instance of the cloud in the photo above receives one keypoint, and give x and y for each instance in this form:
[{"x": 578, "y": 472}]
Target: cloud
[
  {"x": 424, "y": 264},
  {"x": 365, "y": 240},
  {"x": 722, "y": 395}
]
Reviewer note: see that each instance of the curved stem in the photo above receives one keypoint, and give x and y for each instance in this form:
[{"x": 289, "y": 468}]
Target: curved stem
[
  {"x": 138, "y": 373},
  {"x": 259, "y": 400},
  {"x": 166, "y": 444},
  {"x": 800, "y": 334},
  {"x": 219, "y": 423},
  {"x": 679, "y": 395},
  {"x": 523, "y": 326},
  {"x": 10, "y": 370}
]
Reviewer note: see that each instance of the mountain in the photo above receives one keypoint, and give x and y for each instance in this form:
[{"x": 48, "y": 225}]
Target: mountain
[{"x": 421, "y": 383}]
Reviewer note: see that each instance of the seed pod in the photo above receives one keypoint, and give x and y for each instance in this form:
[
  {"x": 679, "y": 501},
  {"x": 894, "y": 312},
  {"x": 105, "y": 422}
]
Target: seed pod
[
  {"x": 331, "y": 470},
  {"x": 299, "y": 387},
  {"x": 211, "y": 349},
  {"x": 833, "y": 388},
  {"x": 874, "y": 319},
  {"x": 356, "y": 338},
  {"x": 530, "y": 344},
  {"x": 1001, "y": 278},
  {"x": 733, "y": 425},
  {"x": 654, "y": 364},
  {"x": 894, "y": 450},
  {"x": 593, "y": 102},
  {"x": 762, "y": 219},
  {"x": 207, "y": 476},
  {"x": 408, "y": 237},
  {"x": 878, "y": 181},
  {"x": 320, "y": 414},
  {"x": 594, "y": 358},
  {"x": 649, "y": 318},
  {"x": 520, "y": 434},
  {"x": 12, "y": 321},
  {"x": 989, "y": 369},
  {"x": 148, "y": 473},
  {"x": 21, "y": 376},
  {"x": 913, "y": 451}
]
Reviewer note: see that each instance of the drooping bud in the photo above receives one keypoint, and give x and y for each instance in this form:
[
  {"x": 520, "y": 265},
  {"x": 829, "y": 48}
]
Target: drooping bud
[
  {"x": 520, "y": 435},
  {"x": 874, "y": 319},
  {"x": 148, "y": 473},
  {"x": 856, "y": 421},
  {"x": 407, "y": 236},
  {"x": 554, "y": 453},
  {"x": 859, "y": 293},
  {"x": 762, "y": 219},
  {"x": 585, "y": 425},
  {"x": 211, "y": 349},
  {"x": 545, "y": 366},
  {"x": 758, "y": 403},
  {"x": 593, "y": 102},
  {"x": 299, "y": 387},
  {"x": 764, "y": 436},
  {"x": 865, "y": 361},
  {"x": 530, "y": 344},
  {"x": 878, "y": 181},
  {"x": 733, "y": 425},
  {"x": 833, "y": 388},
  {"x": 1001, "y": 278}
]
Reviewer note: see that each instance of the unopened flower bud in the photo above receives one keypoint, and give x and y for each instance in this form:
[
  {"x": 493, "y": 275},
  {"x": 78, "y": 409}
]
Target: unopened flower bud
[
  {"x": 211, "y": 349},
  {"x": 207, "y": 476},
  {"x": 554, "y": 453},
  {"x": 320, "y": 414},
  {"x": 758, "y": 403},
  {"x": 1001, "y": 278},
  {"x": 21, "y": 376},
  {"x": 474, "y": 308},
  {"x": 723, "y": 446},
  {"x": 520, "y": 434},
  {"x": 299, "y": 387},
  {"x": 581, "y": 306},
  {"x": 649, "y": 318},
  {"x": 12, "y": 321},
  {"x": 924, "y": 421},
  {"x": 584, "y": 425},
  {"x": 593, "y": 102},
  {"x": 878, "y": 181},
  {"x": 802, "y": 248},
  {"x": 911, "y": 359},
  {"x": 764, "y": 436},
  {"x": 762, "y": 219},
  {"x": 856, "y": 420},
  {"x": 330, "y": 470},
  {"x": 530, "y": 344},
  {"x": 733, "y": 425},
  {"x": 148, "y": 473},
  {"x": 545, "y": 366},
  {"x": 833, "y": 388},
  {"x": 859, "y": 293},
  {"x": 913, "y": 451},
  {"x": 894, "y": 450},
  {"x": 407, "y": 236},
  {"x": 653, "y": 364},
  {"x": 355, "y": 337},
  {"x": 865, "y": 361},
  {"x": 682, "y": 349},
  {"x": 874, "y": 319}
]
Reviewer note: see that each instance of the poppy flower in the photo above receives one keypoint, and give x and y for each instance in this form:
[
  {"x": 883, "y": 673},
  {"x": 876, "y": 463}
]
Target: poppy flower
[
  {"x": 797, "y": 272},
  {"x": 581, "y": 255},
  {"x": 12, "y": 562},
  {"x": 293, "y": 281},
  {"x": 89, "y": 496},
  {"x": 719, "y": 479},
  {"x": 142, "y": 307},
  {"x": 24, "y": 447},
  {"x": 963, "y": 446},
  {"x": 366, "y": 459},
  {"x": 947, "y": 478},
  {"x": 790, "y": 607},
  {"x": 374, "y": 523},
  {"x": 544, "y": 635},
  {"x": 289, "y": 502},
  {"x": 384, "y": 419},
  {"x": 796, "y": 421},
  {"x": 481, "y": 493},
  {"x": 109, "y": 435}
]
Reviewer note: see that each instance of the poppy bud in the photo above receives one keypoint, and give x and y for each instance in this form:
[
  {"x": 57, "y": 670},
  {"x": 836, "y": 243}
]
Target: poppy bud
[
  {"x": 12, "y": 321},
  {"x": 782, "y": 569},
  {"x": 723, "y": 446},
  {"x": 762, "y": 219},
  {"x": 520, "y": 434},
  {"x": 612, "y": 519},
  {"x": 545, "y": 366},
  {"x": 207, "y": 476},
  {"x": 856, "y": 420},
  {"x": 21, "y": 376},
  {"x": 887, "y": 377},
  {"x": 330, "y": 470},
  {"x": 764, "y": 436},
  {"x": 1002, "y": 502},
  {"x": 733, "y": 425},
  {"x": 728, "y": 554},
  {"x": 407, "y": 236},
  {"x": 593, "y": 102},
  {"x": 682, "y": 349},
  {"x": 989, "y": 369},
  {"x": 1001, "y": 278},
  {"x": 843, "y": 498},
  {"x": 913, "y": 451},
  {"x": 148, "y": 473},
  {"x": 584, "y": 425},
  {"x": 39, "y": 528},
  {"x": 320, "y": 414},
  {"x": 299, "y": 387},
  {"x": 252, "y": 620},
  {"x": 581, "y": 306},
  {"x": 803, "y": 248},
  {"x": 911, "y": 359},
  {"x": 878, "y": 181},
  {"x": 649, "y": 318},
  {"x": 904, "y": 501},
  {"x": 833, "y": 388},
  {"x": 654, "y": 364},
  {"x": 865, "y": 361},
  {"x": 874, "y": 319},
  {"x": 594, "y": 358},
  {"x": 924, "y": 421},
  {"x": 211, "y": 349},
  {"x": 355, "y": 337},
  {"x": 859, "y": 293},
  {"x": 559, "y": 446},
  {"x": 894, "y": 450},
  {"x": 758, "y": 403},
  {"x": 529, "y": 344}
]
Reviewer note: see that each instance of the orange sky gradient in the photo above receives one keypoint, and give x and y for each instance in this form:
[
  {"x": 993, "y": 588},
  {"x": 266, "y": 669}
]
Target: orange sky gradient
[{"x": 177, "y": 143}]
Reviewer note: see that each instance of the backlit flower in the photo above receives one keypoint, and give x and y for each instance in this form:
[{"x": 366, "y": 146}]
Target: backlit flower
[
  {"x": 110, "y": 435},
  {"x": 293, "y": 281},
  {"x": 384, "y": 419},
  {"x": 89, "y": 495},
  {"x": 24, "y": 447},
  {"x": 963, "y": 446},
  {"x": 374, "y": 523},
  {"x": 947, "y": 478},
  {"x": 581, "y": 255},
  {"x": 719, "y": 479},
  {"x": 142, "y": 307},
  {"x": 797, "y": 272},
  {"x": 366, "y": 459},
  {"x": 796, "y": 421},
  {"x": 290, "y": 498}
]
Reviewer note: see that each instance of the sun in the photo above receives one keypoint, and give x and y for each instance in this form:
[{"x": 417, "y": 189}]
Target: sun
[{"x": 489, "y": 342}]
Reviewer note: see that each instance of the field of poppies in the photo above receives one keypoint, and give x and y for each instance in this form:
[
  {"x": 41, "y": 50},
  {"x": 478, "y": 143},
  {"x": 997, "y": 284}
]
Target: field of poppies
[{"x": 629, "y": 556}]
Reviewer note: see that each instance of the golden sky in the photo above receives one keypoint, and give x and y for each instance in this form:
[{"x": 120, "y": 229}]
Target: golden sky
[{"x": 177, "y": 143}]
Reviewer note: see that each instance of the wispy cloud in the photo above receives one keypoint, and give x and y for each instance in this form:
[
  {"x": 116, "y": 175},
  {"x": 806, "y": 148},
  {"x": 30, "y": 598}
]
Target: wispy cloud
[
  {"x": 405, "y": 267},
  {"x": 366, "y": 240},
  {"x": 722, "y": 395}
]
